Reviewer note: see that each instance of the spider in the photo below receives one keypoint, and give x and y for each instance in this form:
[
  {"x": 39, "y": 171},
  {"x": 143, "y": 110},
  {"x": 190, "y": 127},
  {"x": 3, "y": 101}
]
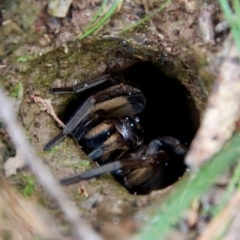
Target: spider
[{"x": 106, "y": 125}]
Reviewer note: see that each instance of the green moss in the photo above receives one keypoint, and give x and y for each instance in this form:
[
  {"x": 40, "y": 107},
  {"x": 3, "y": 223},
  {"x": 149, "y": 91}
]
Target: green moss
[
  {"x": 81, "y": 164},
  {"x": 29, "y": 187},
  {"x": 26, "y": 58},
  {"x": 53, "y": 150},
  {"x": 25, "y": 184},
  {"x": 16, "y": 90}
]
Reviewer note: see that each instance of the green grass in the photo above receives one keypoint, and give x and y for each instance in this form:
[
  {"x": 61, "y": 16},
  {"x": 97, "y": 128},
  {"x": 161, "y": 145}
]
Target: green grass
[
  {"x": 147, "y": 18},
  {"x": 16, "y": 90},
  {"x": 233, "y": 18},
  {"x": 105, "y": 12},
  {"x": 100, "y": 18},
  {"x": 234, "y": 181}
]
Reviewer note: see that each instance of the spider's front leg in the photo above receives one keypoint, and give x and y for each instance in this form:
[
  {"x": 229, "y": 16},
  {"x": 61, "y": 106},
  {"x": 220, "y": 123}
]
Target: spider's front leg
[
  {"x": 115, "y": 101},
  {"x": 81, "y": 87},
  {"x": 128, "y": 165},
  {"x": 133, "y": 172},
  {"x": 156, "y": 166}
]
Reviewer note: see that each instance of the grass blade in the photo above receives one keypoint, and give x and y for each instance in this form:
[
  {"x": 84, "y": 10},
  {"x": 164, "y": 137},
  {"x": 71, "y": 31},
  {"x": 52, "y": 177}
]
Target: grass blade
[
  {"x": 234, "y": 181},
  {"x": 148, "y": 17},
  {"x": 234, "y": 21},
  {"x": 102, "y": 21},
  {"x": 95, "y": 17}
]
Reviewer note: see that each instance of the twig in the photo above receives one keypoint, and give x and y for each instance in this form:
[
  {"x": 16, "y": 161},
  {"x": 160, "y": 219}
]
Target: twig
[
  {"x": 205, "y": 22},
  {"x": 81, "y": 229}
]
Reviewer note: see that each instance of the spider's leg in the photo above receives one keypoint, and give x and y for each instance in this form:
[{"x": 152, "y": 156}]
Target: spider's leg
[
  {"x": 91, "y": 173},
  {"x": 154, "y": 164},
  {"x": 84, "y": 110},
  {"x": 119, "y": 99},
  {"x": 173, "y": 145},
  {"x": 84, "y": 126},
  {"x": 105, "y": 149},
  {"x": 54, "y": 141},
  {"x": 173, "y": 169},
  {"x": 81, "y": 114},
  {"x": 82, "y": 86},
  {"x": 128, "y": 106},
  {"x": 128, "y": 164}
]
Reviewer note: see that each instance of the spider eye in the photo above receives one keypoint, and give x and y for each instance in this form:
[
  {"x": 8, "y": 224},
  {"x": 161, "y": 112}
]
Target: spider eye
[{"x": 137, "y": 119}]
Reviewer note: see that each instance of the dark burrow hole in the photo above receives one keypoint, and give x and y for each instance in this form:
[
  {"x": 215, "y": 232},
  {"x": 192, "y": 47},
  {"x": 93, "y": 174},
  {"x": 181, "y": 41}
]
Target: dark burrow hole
[
  {"x": 170, "y": 108},
  {"x": 170, "y": 111}
]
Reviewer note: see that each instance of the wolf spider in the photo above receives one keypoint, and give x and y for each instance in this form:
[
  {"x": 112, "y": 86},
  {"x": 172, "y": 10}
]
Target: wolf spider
[{"x": 106, "y": 125}]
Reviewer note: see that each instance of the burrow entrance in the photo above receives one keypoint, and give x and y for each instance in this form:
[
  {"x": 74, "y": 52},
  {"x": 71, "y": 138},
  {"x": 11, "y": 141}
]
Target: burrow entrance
[{"x": 170, "y": 111}]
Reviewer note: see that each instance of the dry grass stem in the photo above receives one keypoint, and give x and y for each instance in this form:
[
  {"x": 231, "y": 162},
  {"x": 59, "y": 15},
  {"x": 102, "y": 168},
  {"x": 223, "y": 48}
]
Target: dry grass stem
[
  {"x": 22, "y": 219},
  {"x": 221, "y": 222}
]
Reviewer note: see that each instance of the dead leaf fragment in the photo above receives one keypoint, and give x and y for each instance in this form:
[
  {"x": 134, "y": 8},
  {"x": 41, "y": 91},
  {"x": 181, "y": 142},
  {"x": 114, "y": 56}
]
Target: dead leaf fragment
[
  {"x": 14, "y": 163},
  {"x": 45, "y": 105},
  {"x": 82, "y": 190}
]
